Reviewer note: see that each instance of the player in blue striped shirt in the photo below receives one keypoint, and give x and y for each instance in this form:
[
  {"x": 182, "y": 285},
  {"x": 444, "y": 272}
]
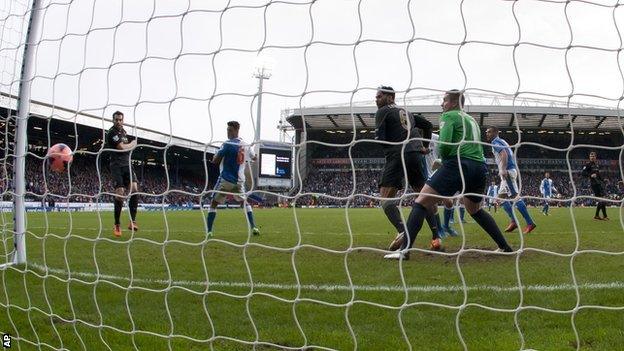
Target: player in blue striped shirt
[
  {"x": 508, "y": 172},
  {"x": 547, "y": 189},
  {"x": 231, "y": 161},
  {"x": 492, "y": 193}
]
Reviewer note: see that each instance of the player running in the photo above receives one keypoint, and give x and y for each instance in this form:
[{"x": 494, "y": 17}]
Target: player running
[
  {"x": 122, "y": 172},
  {"x": 547, "y": 189},
  {"x": 231, "y": 161},
  {"x": 456, "y": 127},
  {"x": 508, "y": 172},
  {"x": 395, "y": 124},
  {"x": 592, "y": 170}
]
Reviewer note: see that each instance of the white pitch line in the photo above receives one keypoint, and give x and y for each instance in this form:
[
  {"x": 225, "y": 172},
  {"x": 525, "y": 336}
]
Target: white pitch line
[{"x": 336, "y": 287}]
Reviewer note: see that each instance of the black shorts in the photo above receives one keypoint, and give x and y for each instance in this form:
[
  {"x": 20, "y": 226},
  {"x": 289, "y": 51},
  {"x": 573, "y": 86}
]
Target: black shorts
[
  {"x": 121, "y": 176},
  {"x": 597, "y": 189},
  {"x": 448, "y": 180},
  {"x": 393, "y": 175}
]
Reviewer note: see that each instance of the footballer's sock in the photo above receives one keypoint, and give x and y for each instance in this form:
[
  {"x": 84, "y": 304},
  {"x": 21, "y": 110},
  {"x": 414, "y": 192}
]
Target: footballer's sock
[
  {"x": 597, "y": 210},
  {"x": 118, "y": 205},
  {"x": 439, "y": 224},
  {"x": 508, "y": 210},
  {"x": 448, "y": 213},
  {"x": 524, "y": 211},
  {"x": 133, "y": 204},
  {"x": 462, "y": 213},
  {"x": 414, "y": 223},
  {"x": 255, "y": 198},
  {"x": 546, "y": 207},
  {"x": 212, "y": 214},
  {"x": 488, "y": 224},
  {"x": 250, "y": 216},
  {"x": 394, "y": 215},
  {"x": 433, "y": 225}
]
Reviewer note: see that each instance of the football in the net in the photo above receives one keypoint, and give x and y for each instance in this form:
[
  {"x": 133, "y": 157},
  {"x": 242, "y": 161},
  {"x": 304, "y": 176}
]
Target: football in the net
[{"x": 59, "y": 156}]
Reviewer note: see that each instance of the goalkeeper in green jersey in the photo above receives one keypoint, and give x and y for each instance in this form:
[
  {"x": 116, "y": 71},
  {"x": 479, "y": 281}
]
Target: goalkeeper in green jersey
[{"x": 463, "y": 169}]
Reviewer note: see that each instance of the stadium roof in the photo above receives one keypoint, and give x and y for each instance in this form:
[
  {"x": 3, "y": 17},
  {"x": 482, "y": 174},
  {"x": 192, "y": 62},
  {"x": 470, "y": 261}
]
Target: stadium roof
[
  {"x": 47, "y": 111},
  {"x": 497, "y": 110}
]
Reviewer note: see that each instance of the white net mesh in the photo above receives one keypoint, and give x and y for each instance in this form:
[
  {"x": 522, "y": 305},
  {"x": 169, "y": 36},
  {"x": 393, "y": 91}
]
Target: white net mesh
[{"x": 547, "y": 73}]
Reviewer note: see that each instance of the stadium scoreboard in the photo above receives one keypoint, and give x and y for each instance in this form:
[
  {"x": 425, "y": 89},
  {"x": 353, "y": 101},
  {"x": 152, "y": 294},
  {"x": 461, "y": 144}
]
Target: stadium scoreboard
[{"x": 275, "y": 165}]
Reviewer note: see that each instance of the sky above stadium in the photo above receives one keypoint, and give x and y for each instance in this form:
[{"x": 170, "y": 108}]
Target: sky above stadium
[{"x": 185, "y": 67}]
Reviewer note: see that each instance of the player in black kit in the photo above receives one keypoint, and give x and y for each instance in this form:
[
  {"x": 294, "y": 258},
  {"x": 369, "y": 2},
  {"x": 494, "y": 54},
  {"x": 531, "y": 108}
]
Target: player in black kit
[
  {"x": 395, "y": 124},
  {"x": 592, "y": 170},
  {"x": 117, "y": 139}
]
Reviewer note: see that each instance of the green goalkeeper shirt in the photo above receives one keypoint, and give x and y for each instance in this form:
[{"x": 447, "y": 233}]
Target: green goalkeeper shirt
[{"x": 452, "y": 125}]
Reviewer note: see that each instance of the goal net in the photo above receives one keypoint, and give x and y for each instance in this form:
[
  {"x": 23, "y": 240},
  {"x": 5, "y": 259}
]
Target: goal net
[{"x": 295, "y": 259}]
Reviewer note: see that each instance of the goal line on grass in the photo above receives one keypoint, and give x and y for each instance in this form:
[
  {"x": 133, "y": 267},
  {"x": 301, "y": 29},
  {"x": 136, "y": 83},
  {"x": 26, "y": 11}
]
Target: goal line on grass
[{"x": 331, "y": 287}]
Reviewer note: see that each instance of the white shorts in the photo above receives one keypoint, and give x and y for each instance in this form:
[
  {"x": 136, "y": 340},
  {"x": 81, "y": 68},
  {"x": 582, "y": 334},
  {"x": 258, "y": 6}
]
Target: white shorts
[
  {"x": 509, "y": 185},
  {"x": 224, "y": 186},
  {"x": 248, "y": 176}
]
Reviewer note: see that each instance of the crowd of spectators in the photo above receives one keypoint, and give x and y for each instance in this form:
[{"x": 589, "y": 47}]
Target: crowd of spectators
[
  {"x": 534, "y": 145},
  {"x": 88, "y": 183},
  {"x": 327, "y": 180},
  {"x": 326, "y": 183}
]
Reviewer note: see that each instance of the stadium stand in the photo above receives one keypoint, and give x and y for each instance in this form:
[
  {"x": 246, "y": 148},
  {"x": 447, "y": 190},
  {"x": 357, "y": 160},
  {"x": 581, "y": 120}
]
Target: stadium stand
[{"x": 546, "y": 136}]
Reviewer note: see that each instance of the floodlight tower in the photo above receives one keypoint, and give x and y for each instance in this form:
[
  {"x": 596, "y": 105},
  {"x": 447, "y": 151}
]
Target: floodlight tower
[{"x": 263, "y": 69}]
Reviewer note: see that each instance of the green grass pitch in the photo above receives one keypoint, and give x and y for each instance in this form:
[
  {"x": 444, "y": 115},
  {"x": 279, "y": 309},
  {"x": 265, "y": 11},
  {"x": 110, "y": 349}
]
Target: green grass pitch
[{"x": 314, "y": 277}]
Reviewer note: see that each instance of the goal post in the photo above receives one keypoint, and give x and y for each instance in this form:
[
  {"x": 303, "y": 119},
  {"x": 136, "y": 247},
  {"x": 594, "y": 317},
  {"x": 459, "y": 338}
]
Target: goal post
[{"x": 21, "y": 136}]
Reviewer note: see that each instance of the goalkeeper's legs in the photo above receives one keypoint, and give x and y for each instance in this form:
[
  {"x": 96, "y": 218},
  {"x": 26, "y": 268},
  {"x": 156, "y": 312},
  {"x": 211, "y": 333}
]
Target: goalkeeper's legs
[
  {"x": 449, "y": 180},
  {"x": 423, "y": 209},
  {"x": 425, "y": 203},
  {"x": 486, "y": 222}
]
